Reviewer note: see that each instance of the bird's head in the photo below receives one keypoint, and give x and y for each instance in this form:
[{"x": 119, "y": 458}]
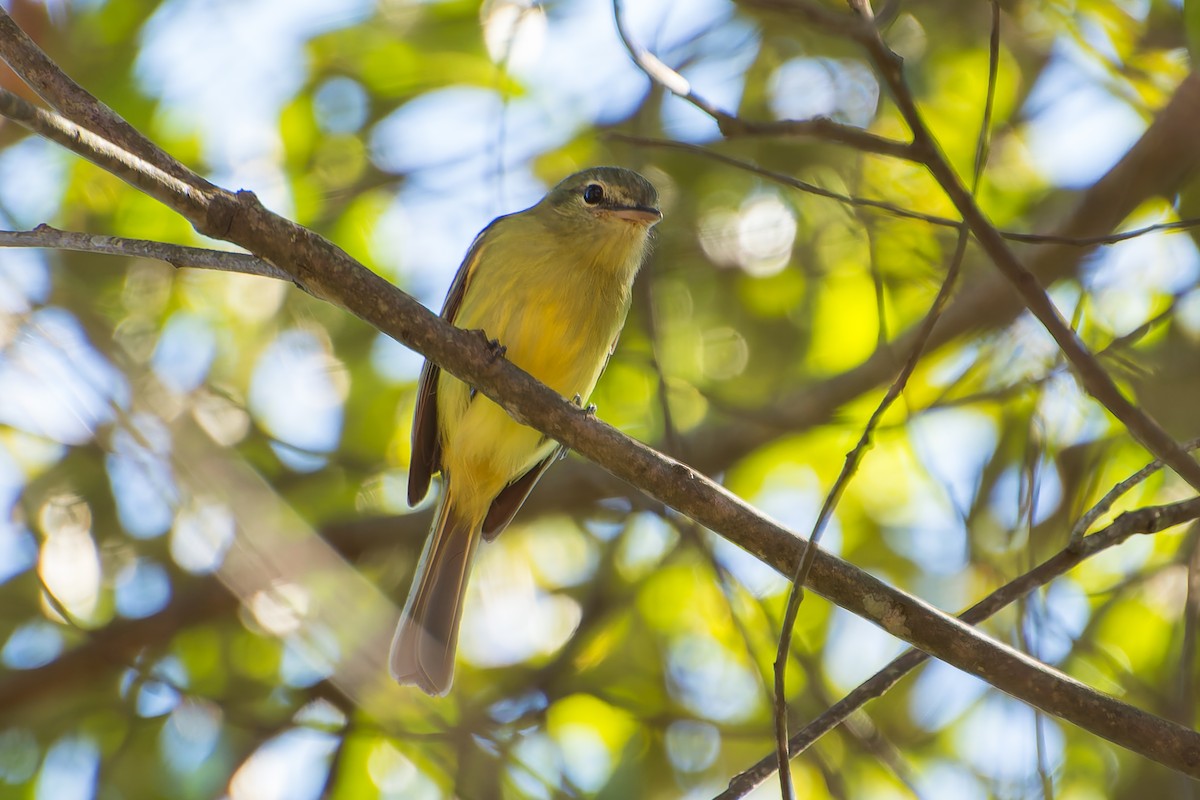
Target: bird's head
[{"x": 609, "y": 196}]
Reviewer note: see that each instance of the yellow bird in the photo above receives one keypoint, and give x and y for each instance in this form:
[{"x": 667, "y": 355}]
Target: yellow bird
[{"x": 551, "y": 285}]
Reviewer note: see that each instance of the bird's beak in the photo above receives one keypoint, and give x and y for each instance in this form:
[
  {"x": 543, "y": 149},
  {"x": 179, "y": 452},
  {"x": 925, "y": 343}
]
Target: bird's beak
[{"x": 644, "y": 215}]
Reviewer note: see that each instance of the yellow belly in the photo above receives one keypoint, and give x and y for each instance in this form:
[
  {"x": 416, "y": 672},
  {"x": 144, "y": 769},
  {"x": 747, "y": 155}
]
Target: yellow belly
[
  {"x": 559, "y": 340},
  {"x": 556, "y": 301}
]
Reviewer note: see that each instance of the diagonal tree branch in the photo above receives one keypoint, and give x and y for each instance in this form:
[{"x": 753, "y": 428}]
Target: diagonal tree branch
[
  {"x": 1140, "y": 521},
  {"x": 330, "y": 274},
  {"x": 1098, "y": 383},
  {"x": 70, "y": 99},
  {"x": 1151, "y": 168}
]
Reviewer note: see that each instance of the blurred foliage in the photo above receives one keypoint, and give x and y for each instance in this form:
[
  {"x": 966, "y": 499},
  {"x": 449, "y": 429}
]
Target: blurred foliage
[{"x": 168, "y": 438}]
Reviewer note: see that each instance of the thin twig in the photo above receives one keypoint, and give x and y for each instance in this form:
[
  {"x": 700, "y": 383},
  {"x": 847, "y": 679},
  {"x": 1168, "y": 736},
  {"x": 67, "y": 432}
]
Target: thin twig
[
  {"x": 1088, "y": 519},
  {"x": 899, "y": 211},
  {"x": 1098, "y": 383},
  {"x": 178, "y": 256},
  {"x": 1112, "y": 238},
  {"x": 821, "y": 129},
  {"x": 984, "y": 140},
  {"x": 1141, "y": 521},
  {"x": 789, "y": 181},
  {"x": 855, "y": 456},
  {"x": 1185, "y": 705},
  {"x": 849, "y": 467},
  {"x": 731, "y": 125}
]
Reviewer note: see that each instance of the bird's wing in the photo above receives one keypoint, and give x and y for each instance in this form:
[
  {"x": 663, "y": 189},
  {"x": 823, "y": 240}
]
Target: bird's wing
[
  {"x": 426, "y": 443},
  {"x": 512, "y": 497}
]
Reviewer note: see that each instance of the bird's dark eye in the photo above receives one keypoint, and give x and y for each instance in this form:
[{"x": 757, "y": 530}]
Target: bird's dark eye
[{"x": 593, "y": 194}]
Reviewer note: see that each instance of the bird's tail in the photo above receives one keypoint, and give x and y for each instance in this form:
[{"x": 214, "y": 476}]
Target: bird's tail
[{"x": 427, "y": 636}]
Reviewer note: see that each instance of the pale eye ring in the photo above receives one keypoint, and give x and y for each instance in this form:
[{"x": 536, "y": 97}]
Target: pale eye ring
[{"x": 593, "y": 194}]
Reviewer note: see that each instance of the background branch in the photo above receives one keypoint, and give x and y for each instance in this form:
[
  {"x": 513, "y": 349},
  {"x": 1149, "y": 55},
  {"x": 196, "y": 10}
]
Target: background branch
[
  {"x": 178, "y": 256},
  {"x": 79, "y": 106},
  {"x": 328, "y": 273},
  {"x": 1093, "y": 376},
  {"x": 1151, "y": 168},
  {"x": 316, "y": 265},
  {"x": 1141, "y": 521}
]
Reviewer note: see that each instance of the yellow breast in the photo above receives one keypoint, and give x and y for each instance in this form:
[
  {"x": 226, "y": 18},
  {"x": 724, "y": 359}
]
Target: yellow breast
[{"x": 557, "y": 307}]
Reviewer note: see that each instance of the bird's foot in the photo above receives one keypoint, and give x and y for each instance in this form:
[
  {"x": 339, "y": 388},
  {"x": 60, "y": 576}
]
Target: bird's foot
[
  {"x": 589, "y": 409},
  {"x": 494, "y": 347}
]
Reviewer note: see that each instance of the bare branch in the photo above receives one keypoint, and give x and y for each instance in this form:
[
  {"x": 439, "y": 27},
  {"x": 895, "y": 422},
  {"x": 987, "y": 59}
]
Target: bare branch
[
  {"x": 1106, "y": 502},
  {"x": 1098, "y": 383},
  {"x": 329, "y": 273},
  {"x": 77, "y": 105},
  {"x": 900, "y": 212},
  {"x": 849, "y": 467},
  {"x": 787, "y": 180},
  {"x": 730, "y": 125},
  {"x": 178, "y": 256},
  {"x": 1145, "y": 520},
  {"x": 138, "y": 173}
]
